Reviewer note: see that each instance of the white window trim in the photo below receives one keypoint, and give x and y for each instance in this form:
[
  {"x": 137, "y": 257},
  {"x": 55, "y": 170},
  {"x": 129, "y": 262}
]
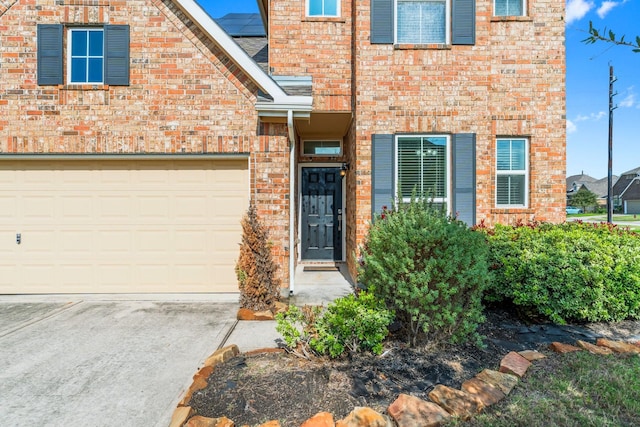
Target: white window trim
[
  {"x": 517, "y": 172},
  {"x": 69, "y": 37},
  {"x": 524, "y": 9},
  {"x": 449, "y": 181},
  {"x": 302, "y": 153},
  {"x": 447, "y": 24},
  {"x": 308, "y": 15}
]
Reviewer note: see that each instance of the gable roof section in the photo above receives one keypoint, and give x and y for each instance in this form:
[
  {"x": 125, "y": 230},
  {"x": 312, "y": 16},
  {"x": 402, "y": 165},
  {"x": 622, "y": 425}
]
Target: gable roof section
[{"x": 280, "y": 102}]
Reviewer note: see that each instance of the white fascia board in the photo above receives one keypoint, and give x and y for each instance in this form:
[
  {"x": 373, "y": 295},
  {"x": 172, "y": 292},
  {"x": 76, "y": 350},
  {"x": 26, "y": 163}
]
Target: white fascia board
[
  {"x": 244, "y": 61},
  {"x": 296, "y": 103}
]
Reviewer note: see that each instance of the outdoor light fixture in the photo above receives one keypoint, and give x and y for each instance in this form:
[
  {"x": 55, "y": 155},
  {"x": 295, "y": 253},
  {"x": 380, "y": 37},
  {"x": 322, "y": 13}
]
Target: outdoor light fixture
[{"x": 343, "y": 169}]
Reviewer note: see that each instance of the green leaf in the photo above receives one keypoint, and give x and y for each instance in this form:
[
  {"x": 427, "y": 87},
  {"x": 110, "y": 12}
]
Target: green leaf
[{"x": 612, "y": 36}]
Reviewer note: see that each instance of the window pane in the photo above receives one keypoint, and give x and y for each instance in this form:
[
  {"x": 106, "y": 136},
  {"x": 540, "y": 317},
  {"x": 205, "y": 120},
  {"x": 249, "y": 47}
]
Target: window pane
[
  {"x": 504, "y": 154},
  {"x": 422, "y": 166},
  {"x": 95, "y": 43},
  {"x": 95, "y": 70},
  {"x": 508, "y": 8},
  {"x": 511, "y": 154},
  {"x": 510, "y": 190},
  {"x": 315, "y": 7},
  {"x": 79, "y": 43},
  {"x": 322, "y": 148},
  {"x": 78, "y": 70},
  {"x": 331, "y": 7},
  {"x": 421, "y": 22},
  {"x": 517, "y": 155}
]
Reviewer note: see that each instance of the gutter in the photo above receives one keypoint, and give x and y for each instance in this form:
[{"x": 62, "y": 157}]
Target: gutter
[{"x": 292, "y": 189}]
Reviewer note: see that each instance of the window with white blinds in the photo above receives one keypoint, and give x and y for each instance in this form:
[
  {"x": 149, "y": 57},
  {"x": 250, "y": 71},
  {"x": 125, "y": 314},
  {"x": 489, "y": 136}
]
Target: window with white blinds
[
  {"x": 422, "y": 166},
  {"x": 512, "y": 172},
  {"x": 421, "y": 21},
  {"x": 509, "y": 8}
]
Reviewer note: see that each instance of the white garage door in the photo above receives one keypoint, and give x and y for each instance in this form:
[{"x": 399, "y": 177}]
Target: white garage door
[
  {"x": 101, "y": 226},
  {"x": 633, "y": 206}
]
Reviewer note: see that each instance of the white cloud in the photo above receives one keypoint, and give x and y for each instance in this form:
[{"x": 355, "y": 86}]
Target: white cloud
[
  {"x": 629, "y": 100},
  {"x": 606, "y": 7},
  {"x": 593, "y": 116},
  {"x": 577, "y": 9},
  {"x": 571, "y": 127}
]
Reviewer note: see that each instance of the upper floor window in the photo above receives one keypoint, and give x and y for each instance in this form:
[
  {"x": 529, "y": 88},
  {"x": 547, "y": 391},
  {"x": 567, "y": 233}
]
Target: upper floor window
[
  {"x": 508, "y": 7},
  {"x": 86, "y": 55},
  {"x": 95, "y": 55},
  {"x": 323, "y": 7},
  {"x": 512, "y": 172},
  {"x": 422, "y": 167},
  {"x": 422, "y": 21}
]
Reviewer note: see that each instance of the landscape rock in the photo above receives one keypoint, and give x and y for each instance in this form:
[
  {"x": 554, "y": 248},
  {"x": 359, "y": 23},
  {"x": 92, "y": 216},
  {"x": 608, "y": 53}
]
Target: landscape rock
[
  {"x": 514, "y": 364},
  {"x": 263, "y": 315},
  {"x": 563, "y": 348},
  {"x": 531, "y": 355},
  {"x": 200, "y": 421},
  {"x": 505, "y": 382},
  {"x": 364, "y": 417},
  {"x": 204, "y": 373},
  {"x": 618, "y": 346},
  {"x": 488, "y": 393},
  {"x": 457, "y": 403},
  {"x": 279, "y": 307},
  {"x": 198, "y": 384},
  {"x": 180, "y": 415},
  {"x": 410, "y": 411},
  {"x": 245, "y": 314},
  {"x": 594, "y": 349},
  {"x": 272, "y": 423},
  {"x": 222, "y": 355},
  {"x": 321, "y": 419}
]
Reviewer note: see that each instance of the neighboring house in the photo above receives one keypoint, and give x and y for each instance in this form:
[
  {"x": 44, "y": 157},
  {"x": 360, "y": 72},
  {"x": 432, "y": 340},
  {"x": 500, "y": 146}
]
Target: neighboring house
[
  {"x": 600, "y": 187},
  {"x": 134, "y": 134},
  {"x": 627, "y": 191}
]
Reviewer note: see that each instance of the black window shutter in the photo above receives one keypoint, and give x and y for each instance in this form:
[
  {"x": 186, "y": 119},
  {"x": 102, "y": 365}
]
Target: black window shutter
[
  {"x": 50, "y": 54},
  {"x": 383, "y": 159},
  {"x": 464, "y": 177},
  {"x": 116, "y": 55},
  {"x": 463, "y": 22},
  {"x": 382, "y": 16}
]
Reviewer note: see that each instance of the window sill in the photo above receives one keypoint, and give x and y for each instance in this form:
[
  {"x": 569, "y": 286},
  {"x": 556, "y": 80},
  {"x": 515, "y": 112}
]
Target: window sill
[
  {"x": 432, "y": 46},
  {"x": 511, "y": 19},
  {"x": 513, "y": 210},
  {"x": 337, "y": 19},
  {"x": 83, "y": 87}
]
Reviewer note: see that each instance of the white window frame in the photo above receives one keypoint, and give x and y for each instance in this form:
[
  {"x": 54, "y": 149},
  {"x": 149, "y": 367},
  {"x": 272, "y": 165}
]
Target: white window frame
[
  {"x": 323, "y": 15},
  {"x": 524, "y": 9},
  {"x": 448, "y": 175},
  {"x": 447, "y": 24},
  {"x": 524, "y": 172},
  {"x": 304, "y": 141},
  {"x": 69, "y": 57}
]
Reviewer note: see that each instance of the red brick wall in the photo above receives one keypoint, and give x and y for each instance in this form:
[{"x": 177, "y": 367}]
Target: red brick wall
[
  {"x": 185, "y": 96},
  {"x": 317, "y": 47},
  {"x": 510, "y": 83}
]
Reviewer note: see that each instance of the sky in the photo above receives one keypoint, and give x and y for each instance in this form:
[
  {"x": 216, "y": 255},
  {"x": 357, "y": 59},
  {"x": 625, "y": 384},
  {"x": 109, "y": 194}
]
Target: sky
[{"x": 587, "y": 83}]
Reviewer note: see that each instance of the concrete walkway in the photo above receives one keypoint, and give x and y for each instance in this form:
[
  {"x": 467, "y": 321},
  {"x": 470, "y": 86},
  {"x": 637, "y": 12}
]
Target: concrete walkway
[
  {"x": 86, "y": 361},
  {"x": 311, "y": 288}
]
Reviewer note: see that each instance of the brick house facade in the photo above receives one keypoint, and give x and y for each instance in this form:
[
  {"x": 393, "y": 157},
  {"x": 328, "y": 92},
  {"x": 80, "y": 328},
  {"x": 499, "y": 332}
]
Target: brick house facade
[{"x": 350, "y": 107}]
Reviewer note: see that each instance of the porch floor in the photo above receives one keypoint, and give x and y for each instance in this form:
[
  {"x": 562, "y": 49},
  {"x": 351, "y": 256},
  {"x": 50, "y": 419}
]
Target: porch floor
[{"x": 320, "y": 284}]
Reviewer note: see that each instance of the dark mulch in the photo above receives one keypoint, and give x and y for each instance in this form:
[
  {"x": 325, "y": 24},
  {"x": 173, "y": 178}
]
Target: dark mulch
[{"x": 254, "y": 389}]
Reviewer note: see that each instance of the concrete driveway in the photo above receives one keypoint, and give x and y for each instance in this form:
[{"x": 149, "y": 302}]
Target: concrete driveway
[{"x": 74, "y": 361}]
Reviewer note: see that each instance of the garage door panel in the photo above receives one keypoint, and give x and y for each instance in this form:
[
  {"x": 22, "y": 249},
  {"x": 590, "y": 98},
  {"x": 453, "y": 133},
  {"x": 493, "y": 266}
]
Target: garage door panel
[{"x": 121, "y": 226}]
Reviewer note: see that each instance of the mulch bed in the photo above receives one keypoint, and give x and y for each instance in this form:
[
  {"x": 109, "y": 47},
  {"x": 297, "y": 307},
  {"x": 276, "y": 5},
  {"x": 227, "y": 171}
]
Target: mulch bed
[{"x": 258, "y": 388}]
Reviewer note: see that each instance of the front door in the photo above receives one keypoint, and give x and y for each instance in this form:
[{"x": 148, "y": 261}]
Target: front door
[{"x": 321, "y": 221}]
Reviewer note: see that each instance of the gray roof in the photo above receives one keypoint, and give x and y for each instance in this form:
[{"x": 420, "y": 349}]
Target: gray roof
[
  {"x": 257, "y": 49},
  {"x": 597, "y": 186},
  {"x": 633, "y": 172}
]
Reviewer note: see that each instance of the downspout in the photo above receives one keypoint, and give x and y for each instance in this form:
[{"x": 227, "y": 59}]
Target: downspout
[{"x": 292, "y": 198}]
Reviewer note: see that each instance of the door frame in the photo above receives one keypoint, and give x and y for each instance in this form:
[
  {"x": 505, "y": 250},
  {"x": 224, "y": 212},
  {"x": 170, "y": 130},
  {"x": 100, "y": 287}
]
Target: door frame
[{"x": 299, "y": 207}]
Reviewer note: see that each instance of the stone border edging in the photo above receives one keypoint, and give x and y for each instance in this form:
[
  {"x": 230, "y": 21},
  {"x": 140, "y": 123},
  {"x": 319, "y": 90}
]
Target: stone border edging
[{"x": 485, "y": 389}]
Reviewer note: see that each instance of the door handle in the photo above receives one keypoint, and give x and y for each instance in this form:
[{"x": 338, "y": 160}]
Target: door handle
[{"x": 339, "y": 222}]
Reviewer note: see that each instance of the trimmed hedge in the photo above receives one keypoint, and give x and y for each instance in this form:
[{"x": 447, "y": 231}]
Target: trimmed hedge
[{"x": 573, "y": 271}]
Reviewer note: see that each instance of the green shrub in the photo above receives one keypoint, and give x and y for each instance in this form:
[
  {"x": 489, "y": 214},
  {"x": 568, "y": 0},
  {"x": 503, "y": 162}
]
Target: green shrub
[
  {"x": 572, "y": 271},
  {"x": 429, "y": 268},
  {"x": 351, "y": 323}
]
